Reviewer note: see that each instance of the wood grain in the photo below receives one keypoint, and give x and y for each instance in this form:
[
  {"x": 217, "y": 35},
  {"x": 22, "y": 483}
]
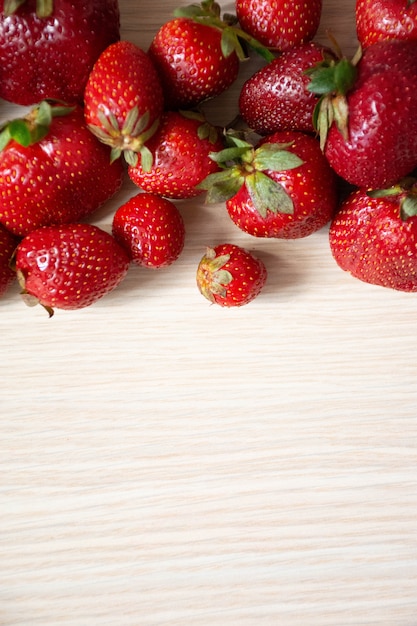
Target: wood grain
[{"x": 167, "y": 462}]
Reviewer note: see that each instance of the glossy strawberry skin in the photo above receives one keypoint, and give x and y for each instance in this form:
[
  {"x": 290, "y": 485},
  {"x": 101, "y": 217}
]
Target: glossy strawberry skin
[
  {"x": 280, "y": 24},
  {"x": 51, "y": 57},
  {"x": 311, "y": 186},
  {"x": 70, "y": 266},
  {"x": 180, "y": 157},
  {"x": 385, "y": 19},
  {"x": 64, "y": 177},
  {"x": 230, "y": 276},
  {"x": 8, "y": 243},
  {"x": 190, "y": 62},
  {"x": 151, "y": 230},
  {"x": 276, "y": 97},
  {"x": 369, "y": 239}
]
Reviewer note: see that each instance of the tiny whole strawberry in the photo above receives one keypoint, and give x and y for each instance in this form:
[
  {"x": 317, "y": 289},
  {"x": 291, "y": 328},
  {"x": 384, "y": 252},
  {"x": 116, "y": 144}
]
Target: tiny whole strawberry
[
  {"x": 230, "y": 276},
  {"x": 47, "y": 49},
  {"x": 180, "y": 151},
  {"x": 123, "y": 100},
  {"x": 385, "y": 19},
  {"x": 151, "y": 229},
  {"x": 8, "y": 243},
  {"x": 53, "y": 170},
  {"x": 276, "y": 97},
  {"x": 283, "y": 187},
  {"x": 374, "y": 236},
  {"x": 70, "y": 266},
  {"x": 280, "y": 24}
]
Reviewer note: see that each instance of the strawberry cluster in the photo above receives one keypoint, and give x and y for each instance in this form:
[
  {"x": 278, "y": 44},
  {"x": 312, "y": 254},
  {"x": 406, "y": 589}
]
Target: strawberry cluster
[{"x": 321, "y": 140}]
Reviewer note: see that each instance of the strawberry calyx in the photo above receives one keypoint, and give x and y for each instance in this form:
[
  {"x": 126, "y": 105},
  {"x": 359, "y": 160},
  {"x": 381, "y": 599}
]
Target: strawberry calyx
[
  {"x": 212, "y": 278},
  {"x": 44, "y": 8},
  {"x": 406, "y": 193},
  {"x": 242, "y": 164},
  {"x": 28, "y": 298},
  {"x": 208, "y": 12},
  {"x": 129, "y": 139},
  {"x": 205, "y": 130}
]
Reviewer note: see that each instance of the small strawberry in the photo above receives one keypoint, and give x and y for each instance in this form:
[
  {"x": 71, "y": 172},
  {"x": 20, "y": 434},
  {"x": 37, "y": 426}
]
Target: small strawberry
[
  {"x": 280, "y": 24},
  {"x": 53, "y": 170},
  {"x": 385, "y": 19},
  {"x": 8, "y": 243},
  {"x": 47, "y": 48},
  {"x": 282, "y": 187},
  {"x": 123, "y": 100},
  {"x": 151, "y": 229},
  {"x": 70, "y": 266},
  {"x": 180, "y": 151},
  {"x": 276, "y": 97},
  {"x": 374, "y": 236},
  {"x": 230, "y": 276}
]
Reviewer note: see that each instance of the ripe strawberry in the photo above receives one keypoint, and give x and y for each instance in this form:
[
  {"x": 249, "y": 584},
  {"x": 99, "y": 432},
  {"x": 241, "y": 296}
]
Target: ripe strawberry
[
  {"x": 47, "y": 49},
  {"x": 386, "y": 19},
  {"x": 374, "y": 236},
  {"x": 367, "y": 118},
  {"x": 280, "y": 24},
  {"x": 283, "y": 187},
  {"x": 8, "y": 243},
  {"x": 229, "y": 275},
  {"x": 180, "y": 151},
  {"x": 151, "y": 230},
  {"x": 123, "y": 100},
  {"x": 53, "y": 170},
  {"x": 69, "y": 266},
  {"x": 276, "y": 97}
]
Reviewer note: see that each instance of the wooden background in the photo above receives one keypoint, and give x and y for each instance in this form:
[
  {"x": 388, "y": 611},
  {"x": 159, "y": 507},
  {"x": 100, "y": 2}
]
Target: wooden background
[{"x": 167, "y": 462}]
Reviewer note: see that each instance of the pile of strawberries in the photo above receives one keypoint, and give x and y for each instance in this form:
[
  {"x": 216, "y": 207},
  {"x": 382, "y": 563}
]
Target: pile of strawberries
[{"x": 320, "y": 140}]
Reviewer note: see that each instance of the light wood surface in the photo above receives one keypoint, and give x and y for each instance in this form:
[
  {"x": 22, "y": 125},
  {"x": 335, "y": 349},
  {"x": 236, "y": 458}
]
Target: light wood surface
[{"x": 168, "y": 462}]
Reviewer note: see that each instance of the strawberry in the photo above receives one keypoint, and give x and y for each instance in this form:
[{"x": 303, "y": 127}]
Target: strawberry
[
  {"x": 47, "y": 49},
  {"x": 180, "y": 151},
  {"x": 280, "y": 24},
  {"x": 8, "y": 243},
  {"x": 151, "y": 230},
  {"x": 367, "y": 118},
  {"x": 53, "y": 170},
  {"x": 123, "y": 100},
  {"x": 282, "y": 187},
  {"x": 230, "y": 276},
  {"x": 69, "y": 266},
  {"x": 276, "y": 97},
  {"x": 386, "y": 19},
  {"x": 374, "y": 236}
]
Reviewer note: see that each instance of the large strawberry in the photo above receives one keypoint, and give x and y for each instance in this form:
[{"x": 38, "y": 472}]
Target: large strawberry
[
  {"x": 280, "y": 24},
  {"x": 180, "y": 151},
  {"x": 374, "y": 236},
  {"x": 367, "y": 117},
  {"x": 53, "y": 170},
  {"x": 123, "y": 100},
  {"x": 276, "y": 97},
  {"x": 282, "y": 187},
  {"x": 8, "y": 243},
  {"x": 47, "y": 49},
  {"x": 69, "y": 266},
  {"x": 385, "y": 19},
  {"x": 230, "y": 276}
]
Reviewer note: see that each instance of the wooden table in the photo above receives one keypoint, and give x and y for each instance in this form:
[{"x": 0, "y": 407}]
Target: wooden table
[{"x": 168, "y": 462}]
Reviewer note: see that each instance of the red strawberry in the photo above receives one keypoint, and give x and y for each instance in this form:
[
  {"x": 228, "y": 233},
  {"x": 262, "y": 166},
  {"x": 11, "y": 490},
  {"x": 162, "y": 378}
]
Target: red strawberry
[
  {"x": 385, "y": 19},
  {"x": 69, "y": 266},
  {"x": 123, "y": 100},
  {"x": 47, "y": 49},
  {"x": 368, "y": 114},
  {"x": 8, "y": 243},
  {"x": 283, "y": 187},
  {"x": 60, "y": 174},
  {"x": 151, "y": 230},
  {"x": 276, "y": 97},
  {"x": 280, "y": 24},
  {"x": 180, "y": 156},
  {"x": 374, "y": 236},
  {"x": 229, "y": 275}
]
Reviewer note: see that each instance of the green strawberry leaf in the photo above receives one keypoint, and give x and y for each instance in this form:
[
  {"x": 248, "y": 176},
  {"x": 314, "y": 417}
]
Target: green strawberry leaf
[
  {"x": 271, "y": 156},
  {"x": 268, "y": 195},
  {"x": 229, "y": 154},
  {"x": 221, "y": 186},
  {"x": 322, "y": 80},
  {"x": 408, "y": 207},
  {"x": 345, "y": 74}
]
